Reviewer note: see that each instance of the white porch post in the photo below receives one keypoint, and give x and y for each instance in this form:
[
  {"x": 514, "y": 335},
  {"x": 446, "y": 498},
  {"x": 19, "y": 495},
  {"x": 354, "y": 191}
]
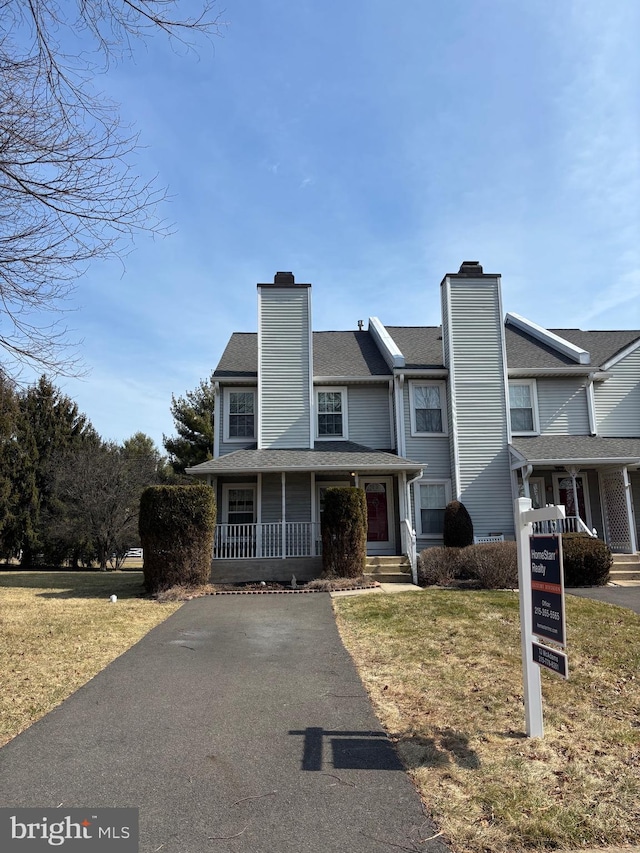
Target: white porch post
[
  {"x": 573, "y": 474},
  {"x": 312, "y": 535},
  {"x": 259, "y": 516},
  {"x": 283, "y": 478},
  {"x": 633, "y": 541}
]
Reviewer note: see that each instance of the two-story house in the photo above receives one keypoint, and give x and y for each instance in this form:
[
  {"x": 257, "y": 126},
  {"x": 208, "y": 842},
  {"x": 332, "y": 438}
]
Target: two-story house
[{"x": 483, "y": 408}]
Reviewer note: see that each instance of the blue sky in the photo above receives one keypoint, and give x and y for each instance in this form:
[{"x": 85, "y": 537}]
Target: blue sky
[{"x": 370, "y": 147}]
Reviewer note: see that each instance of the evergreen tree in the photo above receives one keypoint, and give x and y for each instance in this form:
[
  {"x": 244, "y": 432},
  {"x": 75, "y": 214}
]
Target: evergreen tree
[
  {"x": 193, "y": 418},
  {"x": 48, "y": 423}
]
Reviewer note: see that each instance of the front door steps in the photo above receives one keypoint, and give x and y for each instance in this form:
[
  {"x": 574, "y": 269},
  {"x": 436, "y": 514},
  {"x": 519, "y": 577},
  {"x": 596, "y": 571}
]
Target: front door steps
[
  {"x": 626, "y": 567},
  {"x": 388, "y": 569}
]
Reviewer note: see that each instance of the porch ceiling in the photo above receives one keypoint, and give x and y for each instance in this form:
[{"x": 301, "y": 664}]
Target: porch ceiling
[
  {"x": 594, "y": 450},
  {"x": 325, "y": 456}
]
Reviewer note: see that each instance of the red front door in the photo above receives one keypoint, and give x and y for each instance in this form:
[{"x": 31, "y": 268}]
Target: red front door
[{"x": 377, "y": 512}]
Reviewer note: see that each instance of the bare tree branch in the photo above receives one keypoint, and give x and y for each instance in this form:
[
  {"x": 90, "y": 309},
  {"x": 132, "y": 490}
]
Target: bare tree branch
[{"x": 69, "y": 188}]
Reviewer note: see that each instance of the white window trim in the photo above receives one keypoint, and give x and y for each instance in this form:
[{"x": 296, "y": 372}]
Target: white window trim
[
  {"x": 443, "y": 407},
  {"x": 225, "y": 499},
  {"x": 328, "y": 484},
  {"x": 534, "y": 404},
  {"x": 237, "y": 389},
  {"x": 345, "y": 406},
  {"x": 426, "y": 481}
]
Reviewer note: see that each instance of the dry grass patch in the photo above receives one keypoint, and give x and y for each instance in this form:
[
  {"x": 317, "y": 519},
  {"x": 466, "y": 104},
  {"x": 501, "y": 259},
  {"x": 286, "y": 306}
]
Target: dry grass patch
[
  {"x": 443, "y": 669},
  {"x": 58, "y": 630}
]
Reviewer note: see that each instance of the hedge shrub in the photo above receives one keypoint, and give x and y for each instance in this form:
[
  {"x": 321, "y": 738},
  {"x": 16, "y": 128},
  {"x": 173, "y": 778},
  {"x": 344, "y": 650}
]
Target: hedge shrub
[
  {"x": 176, "y": 525},
  {"x": 344, "y": 532},
  {"x": 458, "y": 527},
  {"x": 489, "y": 566},
  {"x": 586, "y": 560}
]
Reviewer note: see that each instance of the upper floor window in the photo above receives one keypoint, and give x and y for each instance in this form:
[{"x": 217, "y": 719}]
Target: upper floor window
[
  {"x": 240, "y": 422},
  {"x": 428, "y": 408},
  {"x": 523, "y": 407},
  {"x": 331, "y": 408}
]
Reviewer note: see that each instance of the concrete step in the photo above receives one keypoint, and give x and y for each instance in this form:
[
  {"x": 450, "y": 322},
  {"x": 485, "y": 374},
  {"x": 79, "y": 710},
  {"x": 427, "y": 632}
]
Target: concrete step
[
  {"x": 622, "y": 560},
  {"x": 624, "y": 575},
  {"x": 389, "y": 577},
  {"x": 386, "y": 561}
]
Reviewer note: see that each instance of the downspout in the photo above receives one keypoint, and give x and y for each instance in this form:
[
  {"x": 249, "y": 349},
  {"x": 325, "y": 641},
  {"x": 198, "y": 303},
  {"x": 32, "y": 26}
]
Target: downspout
[
  {"x": 591, "y": 406},
  {"x": 414, "y": 562},
  {"x": 400, "y": 439},
  {"x": 216, "y": 424}
]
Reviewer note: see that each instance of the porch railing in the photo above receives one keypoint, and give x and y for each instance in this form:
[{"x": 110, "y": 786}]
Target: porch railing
[
  {"x": 270, "y": 540},
  {"x": 570, "y": 524},
  {"x": 409, "y": 547}
]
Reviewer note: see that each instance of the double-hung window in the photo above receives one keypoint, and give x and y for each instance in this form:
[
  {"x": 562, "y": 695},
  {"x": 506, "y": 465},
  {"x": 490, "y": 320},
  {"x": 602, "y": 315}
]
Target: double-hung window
[
  {"x": 428, "y": 408},
  {"x": 239, "y": 503},
  {"x": 431, "y": 500},
  {"x": 240, "y": 422},
  {"x": 331, "y": 413},
  {"x": 522, "y": 407}
]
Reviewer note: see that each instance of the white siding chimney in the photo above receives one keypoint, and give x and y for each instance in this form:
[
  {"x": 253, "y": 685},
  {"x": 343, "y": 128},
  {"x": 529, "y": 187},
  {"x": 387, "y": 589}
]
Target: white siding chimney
[
  {"x": 474, "y": 352},
  {"x": 285, "y": 364}
]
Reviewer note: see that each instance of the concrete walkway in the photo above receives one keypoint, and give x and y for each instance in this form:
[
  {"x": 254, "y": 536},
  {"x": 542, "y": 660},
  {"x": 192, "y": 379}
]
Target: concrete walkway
[{"x": 239, "y": 724}]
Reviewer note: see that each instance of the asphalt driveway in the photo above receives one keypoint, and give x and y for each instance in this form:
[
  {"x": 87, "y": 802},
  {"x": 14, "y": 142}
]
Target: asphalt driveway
[
  {"x": 239, "y": 724},
  {"x": 622, "y": 596}
]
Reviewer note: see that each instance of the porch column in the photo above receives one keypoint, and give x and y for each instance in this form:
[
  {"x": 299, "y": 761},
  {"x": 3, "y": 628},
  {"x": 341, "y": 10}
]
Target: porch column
[
  {"x": 259, "y": 516},
  {"x": 283, "y": 482},
  {"x": 573, "y": 472},
  {"x": 629, "y": 502}
]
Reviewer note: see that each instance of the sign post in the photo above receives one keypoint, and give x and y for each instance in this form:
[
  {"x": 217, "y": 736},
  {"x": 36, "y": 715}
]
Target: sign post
[{"x": 525, "y": 516}]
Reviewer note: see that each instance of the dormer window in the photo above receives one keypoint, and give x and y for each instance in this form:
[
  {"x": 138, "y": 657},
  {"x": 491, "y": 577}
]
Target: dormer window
[{"x": 331, "y": 409}]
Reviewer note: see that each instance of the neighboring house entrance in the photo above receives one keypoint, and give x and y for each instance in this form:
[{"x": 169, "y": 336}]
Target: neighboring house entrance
[
  {"x": 564, "y": 495},
  {"x": 380, "y": 520}
]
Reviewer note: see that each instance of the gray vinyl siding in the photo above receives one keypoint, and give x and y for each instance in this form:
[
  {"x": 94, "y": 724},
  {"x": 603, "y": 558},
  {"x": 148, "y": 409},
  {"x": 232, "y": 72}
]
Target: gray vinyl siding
[
  {"x": 284, "y": 368},
  {"x": 271, "y": 498},
  {"x": 432, "y": 451},
  {"x": 369, "y": 414},
  {"x": 562, "y": 407},
  {"x": 618, "y": 399},
  {"x": 298, "y": 497},
  {"x": 478, "y": 386}
]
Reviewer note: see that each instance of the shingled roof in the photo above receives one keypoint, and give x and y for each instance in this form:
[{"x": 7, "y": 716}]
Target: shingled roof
[
  {"x": 525, "y": 352},
  {"x": 351, "y": 353},
  {"x": 326, "y": 455},
  {"x": 577, "y": 449},
  {"x": 354, "y": 353}
]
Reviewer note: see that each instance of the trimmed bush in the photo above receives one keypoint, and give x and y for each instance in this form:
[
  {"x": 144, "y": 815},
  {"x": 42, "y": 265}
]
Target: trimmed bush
[
  {"x": 438, "y": 567},
  {"x": 586, "y": 560},
  {"x": 489, "y": 566},
  {"x": 493, "y": 564},
  {"x": 458, "y": 527},
  {"x": 176, "y": 525},
  {"x": 344, "y": 533}
]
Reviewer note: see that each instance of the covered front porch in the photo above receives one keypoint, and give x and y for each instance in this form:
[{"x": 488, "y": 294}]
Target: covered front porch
[
  {"x": 596, "y": 479},
  {"x": 270, "y": 505}
]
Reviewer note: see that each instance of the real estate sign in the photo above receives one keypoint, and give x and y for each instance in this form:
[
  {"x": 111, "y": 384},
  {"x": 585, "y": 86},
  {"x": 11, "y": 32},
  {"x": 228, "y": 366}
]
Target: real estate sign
[
  {"x": 547, "y": 588},
  {"x": 551, "y": 659}
]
